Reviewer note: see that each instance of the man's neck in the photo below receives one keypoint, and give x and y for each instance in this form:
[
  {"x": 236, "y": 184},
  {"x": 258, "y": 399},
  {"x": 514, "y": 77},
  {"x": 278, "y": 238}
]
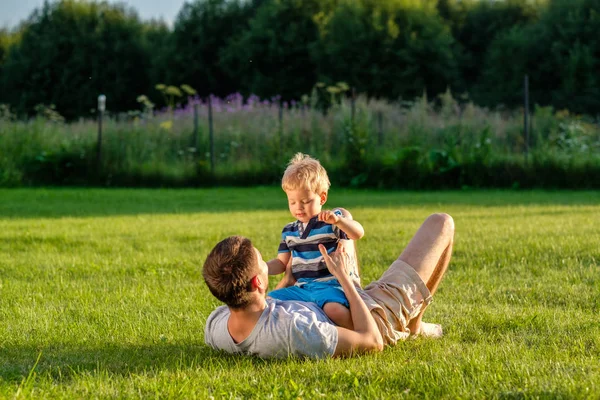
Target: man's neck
[{"x": 242, "y": 321}]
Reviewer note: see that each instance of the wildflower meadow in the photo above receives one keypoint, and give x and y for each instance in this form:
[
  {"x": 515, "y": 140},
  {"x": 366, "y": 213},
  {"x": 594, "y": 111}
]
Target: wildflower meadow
[{"x": 426, "y": 143}]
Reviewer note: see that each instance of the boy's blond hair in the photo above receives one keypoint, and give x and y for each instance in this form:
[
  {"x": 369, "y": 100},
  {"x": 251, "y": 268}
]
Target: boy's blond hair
[{"x": 305, "y": 172}]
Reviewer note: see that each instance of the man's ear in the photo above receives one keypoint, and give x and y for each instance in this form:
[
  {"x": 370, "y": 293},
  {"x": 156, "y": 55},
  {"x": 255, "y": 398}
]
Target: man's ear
[
  {"x": 257, "y": 283},
  {"x": 323, "y": 197}
]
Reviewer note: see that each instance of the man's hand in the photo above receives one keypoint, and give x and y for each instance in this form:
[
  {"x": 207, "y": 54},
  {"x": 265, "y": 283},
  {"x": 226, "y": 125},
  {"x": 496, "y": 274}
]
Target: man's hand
[
  {"x": 329, "y": 217},
  {"x": 365, "y": 336},
  {"x": 337, "y": 263}
]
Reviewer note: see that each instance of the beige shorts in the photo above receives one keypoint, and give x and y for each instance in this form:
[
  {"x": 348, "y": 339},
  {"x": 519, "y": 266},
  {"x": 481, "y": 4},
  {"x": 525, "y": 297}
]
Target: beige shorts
[{"x": 394, "y": 299}]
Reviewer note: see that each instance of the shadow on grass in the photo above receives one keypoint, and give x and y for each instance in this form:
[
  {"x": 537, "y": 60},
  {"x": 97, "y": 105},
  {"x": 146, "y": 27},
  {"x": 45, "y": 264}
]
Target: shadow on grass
[
  {"x": 67, "y": 202},
  {"x": 66, "y": 363}
]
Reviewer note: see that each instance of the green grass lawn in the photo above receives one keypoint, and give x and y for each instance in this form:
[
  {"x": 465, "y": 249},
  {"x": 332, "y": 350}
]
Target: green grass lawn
[{"x": 101, "y": 296}]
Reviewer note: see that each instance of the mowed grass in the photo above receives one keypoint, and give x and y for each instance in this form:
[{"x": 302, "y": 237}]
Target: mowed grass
[{"x": 101, "y": 296}]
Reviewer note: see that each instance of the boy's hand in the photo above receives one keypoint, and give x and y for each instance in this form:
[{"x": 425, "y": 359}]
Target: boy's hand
[
  {"x": 337, "y": 263},
  {"x": 287, "y": 280},
  {"x": 329, "y": 217}
]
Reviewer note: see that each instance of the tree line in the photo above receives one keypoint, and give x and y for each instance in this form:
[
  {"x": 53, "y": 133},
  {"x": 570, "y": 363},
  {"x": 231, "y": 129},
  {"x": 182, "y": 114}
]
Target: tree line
[{"x": 67, "y": 52}]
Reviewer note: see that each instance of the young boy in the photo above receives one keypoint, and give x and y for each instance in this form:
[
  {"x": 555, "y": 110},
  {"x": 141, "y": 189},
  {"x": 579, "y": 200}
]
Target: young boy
[{"x": 305, "y": 183}]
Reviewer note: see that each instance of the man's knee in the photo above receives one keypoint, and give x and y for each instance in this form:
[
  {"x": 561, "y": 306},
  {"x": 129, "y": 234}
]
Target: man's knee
[{"x": 442, "y": 223}]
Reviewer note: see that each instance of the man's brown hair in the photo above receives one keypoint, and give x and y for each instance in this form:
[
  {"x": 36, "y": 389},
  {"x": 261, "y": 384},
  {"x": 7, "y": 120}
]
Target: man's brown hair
[{"x": 227, "y": 270}]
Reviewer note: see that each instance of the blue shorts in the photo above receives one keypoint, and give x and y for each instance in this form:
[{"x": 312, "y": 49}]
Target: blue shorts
[{"x": 312, "y": 291}]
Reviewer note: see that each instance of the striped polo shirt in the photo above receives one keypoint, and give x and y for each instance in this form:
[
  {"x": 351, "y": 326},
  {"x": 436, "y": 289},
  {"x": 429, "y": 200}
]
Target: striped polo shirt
[{"x": 303, "y": 242}]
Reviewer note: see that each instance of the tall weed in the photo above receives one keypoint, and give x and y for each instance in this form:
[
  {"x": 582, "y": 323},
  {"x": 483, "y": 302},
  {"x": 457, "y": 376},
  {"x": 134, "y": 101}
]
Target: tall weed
[{"x": 365, "y": 142}]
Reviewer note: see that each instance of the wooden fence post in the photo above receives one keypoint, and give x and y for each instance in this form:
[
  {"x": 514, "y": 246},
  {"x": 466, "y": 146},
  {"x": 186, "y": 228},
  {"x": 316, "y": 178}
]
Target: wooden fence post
[
  {"x": 353, "y": 106},
  {"x": 101, "y": 108},
  {"x": 380, "y": 126},
  {"x": 211, "y": 135},
  {"x": 526, "y": 114},
  {"x": 280, "y": 155},
  {"x": 195, "y": 139}
]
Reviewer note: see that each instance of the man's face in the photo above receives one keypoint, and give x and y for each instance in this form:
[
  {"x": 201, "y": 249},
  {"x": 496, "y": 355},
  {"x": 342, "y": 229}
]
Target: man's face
[{"x": 305, "y": 204}]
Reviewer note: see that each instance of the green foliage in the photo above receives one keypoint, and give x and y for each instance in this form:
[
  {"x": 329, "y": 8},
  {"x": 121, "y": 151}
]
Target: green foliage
[
  {"x": 475, "y": 25},
  {"x": 5, "y": 113},
  {"x": 503, "y": 81},
  {"x": 201, "y": 33},
  {"x": 386, "y": 50},
  {"x": 172, "y": 94},
  {"x": 559, "y": 53},
  {"x": 273, "y": 53},
  {"x": 147, "y": 105},
  {"x": 570, "y": 71},
  {"x": 48, "y": 113},
  {"x": 4, "y": 46},
  {"x": 65, "y": 167},
  {"x": 364, "y": 143},
  {"x": 70, "y": 52},
  {"x": 156, "y": 42},
  {"x": 7, "y": 40}
]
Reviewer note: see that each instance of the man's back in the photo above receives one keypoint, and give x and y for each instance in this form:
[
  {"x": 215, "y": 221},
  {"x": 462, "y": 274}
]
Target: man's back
[{"x": 285, "y": 328}]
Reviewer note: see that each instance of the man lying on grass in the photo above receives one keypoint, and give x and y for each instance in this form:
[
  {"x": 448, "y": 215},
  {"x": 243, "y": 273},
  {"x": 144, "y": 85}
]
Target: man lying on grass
[{"x": 387, "y": 310}]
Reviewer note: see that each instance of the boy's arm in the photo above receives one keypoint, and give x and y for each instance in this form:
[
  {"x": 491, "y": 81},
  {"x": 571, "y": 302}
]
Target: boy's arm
[
  {"x": 275, "y": 265},
  {"x": 278, "y": 264},
  {"x": 366, "y": 336},
  {"x": 352, "y": 228},
  {"x": 287, "y": 280}
]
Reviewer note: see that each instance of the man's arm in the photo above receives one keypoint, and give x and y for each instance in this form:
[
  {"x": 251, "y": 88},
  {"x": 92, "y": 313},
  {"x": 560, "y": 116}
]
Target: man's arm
[
  {"x": 352, "y": 228},
  {"x": 366, "y": 336}
]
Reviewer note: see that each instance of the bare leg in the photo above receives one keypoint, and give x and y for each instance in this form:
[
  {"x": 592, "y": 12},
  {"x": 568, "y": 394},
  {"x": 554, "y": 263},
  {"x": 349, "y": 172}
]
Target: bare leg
[
  {"x": 416, "y": 325},
  {"x": 339, "y": 314},
  {"x": 429, "y": 253}
]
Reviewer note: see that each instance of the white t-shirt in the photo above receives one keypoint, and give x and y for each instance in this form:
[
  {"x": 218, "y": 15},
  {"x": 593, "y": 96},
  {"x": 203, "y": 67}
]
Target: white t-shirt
[{"x": 285, "y": 328}]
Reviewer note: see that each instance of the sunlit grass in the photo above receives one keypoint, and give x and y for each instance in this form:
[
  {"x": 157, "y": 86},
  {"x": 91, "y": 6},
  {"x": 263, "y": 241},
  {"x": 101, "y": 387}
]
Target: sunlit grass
[{"x": 105, "y": 288}]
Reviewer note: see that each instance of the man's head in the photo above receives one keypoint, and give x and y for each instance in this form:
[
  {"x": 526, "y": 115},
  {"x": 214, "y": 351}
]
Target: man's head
[
  {"x": 306, "y": 184},
  {"x": 233, "y": 270}
]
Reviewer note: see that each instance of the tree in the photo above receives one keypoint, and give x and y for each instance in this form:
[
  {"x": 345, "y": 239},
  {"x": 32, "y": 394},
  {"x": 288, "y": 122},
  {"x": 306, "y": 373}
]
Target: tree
[
  {"x": 475, "y": 25},
  {"x": 560, "y": 53},
  {"x": 387, "y": 49},
  {"x": 3, "y": 52},
  {"x": 156, "y": 39},
  {"x": 7, "y": 40},
  {"x": 70, "y": 52},
  {"x": 569, "y": 70},
  {"x": 4, "y": 44},
  {"x": 201, "y": 31},
  {"x": 273, "y": 54}
]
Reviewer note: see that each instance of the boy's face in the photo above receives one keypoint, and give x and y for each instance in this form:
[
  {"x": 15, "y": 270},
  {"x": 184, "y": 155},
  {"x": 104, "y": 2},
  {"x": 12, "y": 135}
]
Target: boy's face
[{"x": 305, "y": 204}]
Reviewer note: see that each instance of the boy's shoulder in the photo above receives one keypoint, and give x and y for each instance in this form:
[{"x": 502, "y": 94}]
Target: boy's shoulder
[{"x": 291, "y": 226}]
